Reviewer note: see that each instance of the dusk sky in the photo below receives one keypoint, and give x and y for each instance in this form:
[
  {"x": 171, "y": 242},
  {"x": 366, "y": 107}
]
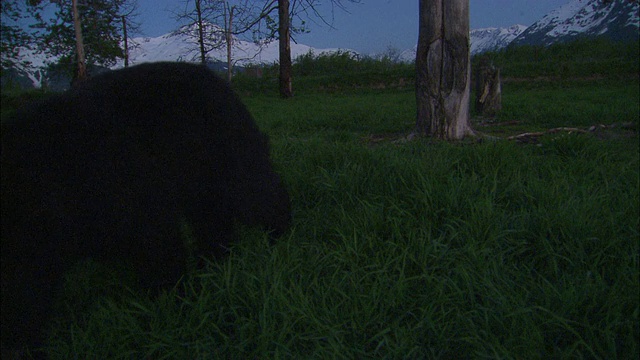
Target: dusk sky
[{"x": 372, "y": 26}]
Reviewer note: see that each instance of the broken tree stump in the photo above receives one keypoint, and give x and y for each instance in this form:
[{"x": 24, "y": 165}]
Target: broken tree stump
[{"x": 488, "y": 88}]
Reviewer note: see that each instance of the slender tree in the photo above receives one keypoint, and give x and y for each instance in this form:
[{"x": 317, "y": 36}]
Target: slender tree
[
  {"x": 284, "y": 33},
  {"x": 214, "y": 24},
  {"x": 81, "y": 65},
  {"x": 89, "y": 27},
  {"x": 200, "y": 30},
  {"x": 298, "y": 9},
  {"x": 443, "y": 70},
  {"x": 198, "y": 17},
  {"x": 125, "y": 38},
  {"x": 130, "y": 26},
  {"x": 255, "y": 17},
  {"x": 228, "y": 36}
]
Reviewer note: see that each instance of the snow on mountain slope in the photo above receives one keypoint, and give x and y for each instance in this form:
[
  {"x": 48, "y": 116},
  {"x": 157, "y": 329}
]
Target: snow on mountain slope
[
  {"x": 490, "y": 39},
  {"x": 177, "y": 46},
  {"x": 618, "y": 20},
  {"x": 181, "y": 47},
  {"x": 487, "y": 39}
]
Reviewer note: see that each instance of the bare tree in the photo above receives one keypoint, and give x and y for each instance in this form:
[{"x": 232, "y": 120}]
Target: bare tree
[
  {"x": 443, "y": 71},
  {"x": 287, "y": 11},
  {"x": 299, "y": 8},
  {"x": 250, "y": 16},
  {"x": 198, "y": 23},
  {"x": 284, "y": 33},
  {"x": 228, "y": 25},
  {"x": 129, "y": 26},
  {"x": 216, "y": 23}
]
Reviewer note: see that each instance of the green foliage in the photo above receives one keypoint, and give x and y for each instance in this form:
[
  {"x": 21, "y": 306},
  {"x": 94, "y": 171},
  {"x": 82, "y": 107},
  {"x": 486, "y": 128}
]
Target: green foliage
[
  {"x": 101, "y": 32},
  {"x": 12, "y": 36},
  {"x": 312, "y": 64},
  {"x": 420, "y": 249}
]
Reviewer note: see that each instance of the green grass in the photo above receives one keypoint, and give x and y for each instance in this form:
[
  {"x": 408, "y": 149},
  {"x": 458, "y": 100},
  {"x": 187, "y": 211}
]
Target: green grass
[
  {"x": 411, "y": 250},
  {"x": 421, "y": 249},
  {"x": 543, "y": 105}
]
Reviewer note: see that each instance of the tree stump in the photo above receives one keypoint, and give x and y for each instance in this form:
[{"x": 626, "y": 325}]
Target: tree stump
[
  {"x": 443, "y": 71},
  {"x": 488, "y": 88}
]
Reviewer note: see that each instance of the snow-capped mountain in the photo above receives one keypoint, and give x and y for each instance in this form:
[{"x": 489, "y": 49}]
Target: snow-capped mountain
[
  {"x": 616, "y": 19},
  {"x": 182, "y": 46},
  {"x": 490, "y": 39},
  {"x": 487, "y": 39}
]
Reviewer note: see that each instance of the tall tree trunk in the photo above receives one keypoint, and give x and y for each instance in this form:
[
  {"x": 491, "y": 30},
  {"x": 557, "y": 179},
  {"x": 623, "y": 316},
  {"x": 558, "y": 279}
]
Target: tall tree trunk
[
  {"x": 81, "y": 70},
  {"x": 229, "y": 37},
  {"x": 443, "y": 71},
  {"x": 126, "y": 41},
  {"x": 284, "y": 32},
  {"x": 203, "y": 55}
]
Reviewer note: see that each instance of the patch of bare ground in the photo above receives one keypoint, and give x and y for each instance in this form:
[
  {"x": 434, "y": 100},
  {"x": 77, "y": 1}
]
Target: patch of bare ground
[{"x": 600, "y": 131}]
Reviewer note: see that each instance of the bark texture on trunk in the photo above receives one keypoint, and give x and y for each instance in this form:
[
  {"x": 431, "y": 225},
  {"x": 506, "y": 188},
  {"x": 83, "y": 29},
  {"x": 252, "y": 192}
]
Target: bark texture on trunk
[
  {"x": 126, "y": 41},
  {"x": 203, "y": 55},
  {"x": 443, "y": 72},
  {"x": 284, "y": 32},
  {"x": 229, "y": 38},
  {"x": 81, "y": 70}
]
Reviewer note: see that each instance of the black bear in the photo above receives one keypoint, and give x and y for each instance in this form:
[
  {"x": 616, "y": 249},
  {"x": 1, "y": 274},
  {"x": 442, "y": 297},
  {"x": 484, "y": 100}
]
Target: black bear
[{"x": 110, "y": 169}]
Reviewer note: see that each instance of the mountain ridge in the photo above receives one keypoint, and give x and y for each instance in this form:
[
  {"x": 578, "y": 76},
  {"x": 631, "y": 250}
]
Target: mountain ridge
[
  {"x": 617, "y": 20},
  {"x": 181, "y": 45},
  {"x": 490, "y": 39}
]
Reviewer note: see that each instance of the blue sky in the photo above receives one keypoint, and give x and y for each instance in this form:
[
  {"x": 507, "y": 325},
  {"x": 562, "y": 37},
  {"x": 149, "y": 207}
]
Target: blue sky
[{"x": 373, "y": 25}]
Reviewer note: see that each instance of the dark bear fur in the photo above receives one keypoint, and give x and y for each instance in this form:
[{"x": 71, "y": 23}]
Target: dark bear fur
[{"x": 108, "y": 171}]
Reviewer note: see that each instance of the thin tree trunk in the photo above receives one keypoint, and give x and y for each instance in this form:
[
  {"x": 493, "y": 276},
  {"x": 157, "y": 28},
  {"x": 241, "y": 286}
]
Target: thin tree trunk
[
  {"x": 443, "y": 72},
  {"x": 81, "y": 71},
  {"x": 126, "y": 41},
  {"x": 229, "y": 39},
  {"x": 284, "y": 32},
  {"x": 203, "y": 58}
]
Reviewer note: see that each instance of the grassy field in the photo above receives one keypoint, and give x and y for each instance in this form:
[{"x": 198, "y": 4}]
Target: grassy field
[{"x": 486, "y": 248}]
